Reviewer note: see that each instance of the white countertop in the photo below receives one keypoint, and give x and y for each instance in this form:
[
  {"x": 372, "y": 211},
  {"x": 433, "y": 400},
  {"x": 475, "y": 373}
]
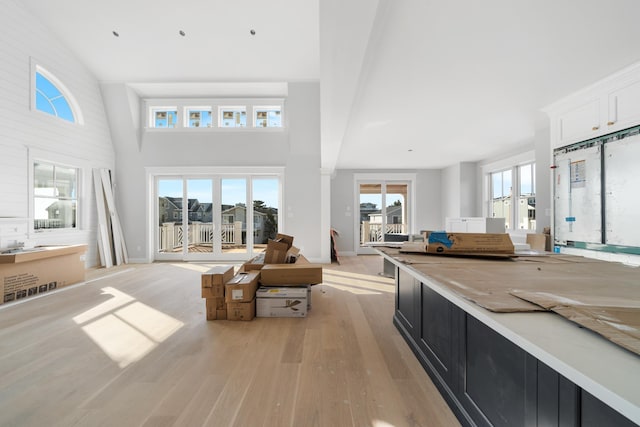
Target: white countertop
[{"x": 602, "y": 368}]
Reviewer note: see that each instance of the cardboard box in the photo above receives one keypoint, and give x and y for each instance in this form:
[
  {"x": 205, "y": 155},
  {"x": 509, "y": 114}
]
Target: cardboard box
[
  {"x": 286, "y": 239},
  {"x": 537, "y": 242},
  {"x": 210, "y": 307},
  {"x": 276, "y": 252},
  {"x": 255, "y": 263},
  {"x": 243, "y": 286},
  {"x": 214, "y": 306},
  {"x": 40, "y": 270},
  {"x": 469, "y": 243},
  {"x": 293, "y": 255},
  {"x": 241, "y": 310},
  {"x": 213, "y": 281},
  {"x": 281, "y": 301},
  {"x": 291, "y": 274}
]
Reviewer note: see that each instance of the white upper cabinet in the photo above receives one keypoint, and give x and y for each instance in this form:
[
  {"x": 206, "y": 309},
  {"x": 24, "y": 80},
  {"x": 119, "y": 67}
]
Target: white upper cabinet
[
  {"x": 624, "y": 106},
  {"x": 579, "y": 123},
  {"x": 607, "y": 106}
]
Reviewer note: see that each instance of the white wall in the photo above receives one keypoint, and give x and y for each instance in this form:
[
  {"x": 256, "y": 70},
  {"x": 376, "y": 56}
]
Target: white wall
[
  {"x": 544, "y": 179},
  {"x": 450, "y": 193},
  {"x": 297, "y": 149},
  {"x": 461, "y": 191},
  {"x": 24, "y": 131}
]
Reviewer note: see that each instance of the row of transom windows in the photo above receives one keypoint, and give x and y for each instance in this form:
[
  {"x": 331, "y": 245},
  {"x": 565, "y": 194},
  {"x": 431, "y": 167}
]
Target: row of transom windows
[{"x": 236, "y": 116}]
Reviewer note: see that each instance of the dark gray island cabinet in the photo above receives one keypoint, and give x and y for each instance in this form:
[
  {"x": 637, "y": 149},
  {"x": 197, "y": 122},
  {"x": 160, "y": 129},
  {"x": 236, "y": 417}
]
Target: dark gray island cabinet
[{"x": 514, "y": 369}]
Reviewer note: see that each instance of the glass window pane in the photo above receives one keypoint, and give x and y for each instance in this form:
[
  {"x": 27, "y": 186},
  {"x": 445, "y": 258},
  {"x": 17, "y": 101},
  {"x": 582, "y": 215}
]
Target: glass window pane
[
  {"x": 55, "y": 194},
  {"x": 268, "y": 117},
  {"x": 65, "y": 182},
  {"x": 43, "y": 177},
  {"x": 526, "y": 184},
  {"x": 527, "y": 205},
  {"x": 198, "y": 117},
  {"x": 233, "y": 117},
  {"x": 234, "y": 215},
  {"x": 43, "y": 104},
  {"x": 501, "y": 200},
  {"x": 266, "y": 196},
  {"x": 496, "y": 185},
  {"x": 370, "y": 213},
  {"x": 506, "y": 183},
  {"x": 62, "y": 109},
  {"x": 47, "y": 88},
  {"x": 396, "y": 210},
  {"x": 50, "y": 100},
  {"x": 165, "y": 118}
]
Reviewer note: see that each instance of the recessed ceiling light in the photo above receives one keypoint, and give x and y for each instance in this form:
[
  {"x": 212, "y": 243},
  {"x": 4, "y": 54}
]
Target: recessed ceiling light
[
  {"x": 115, "y": 33},
  {"x": 182, "y": 33},
  {"x": 253, "y": 32}
]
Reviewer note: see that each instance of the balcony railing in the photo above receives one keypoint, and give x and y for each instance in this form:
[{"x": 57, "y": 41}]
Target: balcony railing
[
  {"x": 171, "y": 235},
  {"x": 373, "y": 232}
]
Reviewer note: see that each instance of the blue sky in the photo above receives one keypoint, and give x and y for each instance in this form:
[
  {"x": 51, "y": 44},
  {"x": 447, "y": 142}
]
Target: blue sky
[
  {"x": 233, "y": 190},
  {"x": 377, "y": 199},
  {"x": 50, "y": 100}
]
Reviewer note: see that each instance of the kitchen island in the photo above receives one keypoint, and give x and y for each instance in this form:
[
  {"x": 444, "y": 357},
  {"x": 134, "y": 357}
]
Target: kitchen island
[{"x": 512, "y": 369}]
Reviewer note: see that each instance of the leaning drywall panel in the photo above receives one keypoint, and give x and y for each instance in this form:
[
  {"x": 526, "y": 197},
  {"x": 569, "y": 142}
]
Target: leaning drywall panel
[{"x": 622, "y": 181}]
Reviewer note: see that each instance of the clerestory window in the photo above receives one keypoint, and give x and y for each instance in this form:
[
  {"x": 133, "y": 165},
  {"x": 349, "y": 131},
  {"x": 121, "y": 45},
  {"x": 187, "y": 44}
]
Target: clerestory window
[
  {"x": 268, "y": 117},
  {"x": 52, "y": 97}
]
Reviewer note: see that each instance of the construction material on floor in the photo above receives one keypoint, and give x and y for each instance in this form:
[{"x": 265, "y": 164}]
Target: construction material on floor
[{"x": 30, "y": 272}]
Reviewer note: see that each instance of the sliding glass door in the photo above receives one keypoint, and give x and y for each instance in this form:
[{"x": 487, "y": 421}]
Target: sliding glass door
[{"x": 212, "y": 218}]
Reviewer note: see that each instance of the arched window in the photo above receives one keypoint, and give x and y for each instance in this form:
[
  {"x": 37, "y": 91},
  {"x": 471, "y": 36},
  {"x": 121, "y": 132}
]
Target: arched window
[{"x": 52, "y": 97}]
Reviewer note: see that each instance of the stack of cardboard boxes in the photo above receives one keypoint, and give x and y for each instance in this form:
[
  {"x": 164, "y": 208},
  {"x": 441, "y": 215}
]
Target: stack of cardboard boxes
[
  {"x": 276, "y": 283},
  {"x": 213, "y": 284}
]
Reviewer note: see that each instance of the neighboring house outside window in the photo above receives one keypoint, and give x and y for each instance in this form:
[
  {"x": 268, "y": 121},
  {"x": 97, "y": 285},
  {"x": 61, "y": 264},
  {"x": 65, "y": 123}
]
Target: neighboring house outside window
[
  {"x": 198, "y": 117},
  {"x": 233, "y": 117},
  {"x": 55, "y": 194},
  {"x": 164, "y": 117},
  {"x": 268, "y": 117},
  {"x": 513, "y": 196}
]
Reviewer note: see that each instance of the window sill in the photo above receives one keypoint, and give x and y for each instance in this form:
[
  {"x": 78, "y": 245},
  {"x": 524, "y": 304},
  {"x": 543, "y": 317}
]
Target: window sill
[{"x": 215, "y": 130}]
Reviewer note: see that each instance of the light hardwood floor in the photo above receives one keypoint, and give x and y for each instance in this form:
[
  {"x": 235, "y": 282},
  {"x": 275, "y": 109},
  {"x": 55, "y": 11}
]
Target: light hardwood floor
[{"x": 131, "y": 347}]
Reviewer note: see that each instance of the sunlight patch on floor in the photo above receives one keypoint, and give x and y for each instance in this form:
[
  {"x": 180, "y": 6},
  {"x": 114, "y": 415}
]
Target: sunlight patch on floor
[
  {"x": 125, "y": 329},
  {"x": 360, "y": 285}
]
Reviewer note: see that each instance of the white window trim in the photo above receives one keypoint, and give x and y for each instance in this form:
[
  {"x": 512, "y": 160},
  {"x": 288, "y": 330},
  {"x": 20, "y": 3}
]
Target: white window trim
[
  {"x": 153, "y": 172},
  {"x": 233, "y": 108},
  {"x": 254, "y": 115},
  {"x": 152, "y": 112},
  {"x": 508, "y": 163},
  {"x": 363, "y": 178},
  {"x": 215, "y": 105},
  {"x": 35, "y": 67},
  {"x": 197, "y": 108},
  {"x": 83, "y": 190}
]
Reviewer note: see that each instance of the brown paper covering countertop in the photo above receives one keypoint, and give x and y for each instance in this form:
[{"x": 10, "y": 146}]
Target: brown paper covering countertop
[{"x": 599, "y": 295}]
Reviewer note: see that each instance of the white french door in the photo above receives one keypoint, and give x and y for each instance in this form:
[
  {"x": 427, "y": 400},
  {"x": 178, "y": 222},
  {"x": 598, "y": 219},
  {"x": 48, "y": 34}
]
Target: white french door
[
  {"x": 214, "y": 216},
  {"x": 384, "y": 209}
]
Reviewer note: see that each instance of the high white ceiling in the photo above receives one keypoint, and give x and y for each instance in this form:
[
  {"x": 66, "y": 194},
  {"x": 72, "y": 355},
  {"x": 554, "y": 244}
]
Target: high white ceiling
[{"x": 404, "y": 83}]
